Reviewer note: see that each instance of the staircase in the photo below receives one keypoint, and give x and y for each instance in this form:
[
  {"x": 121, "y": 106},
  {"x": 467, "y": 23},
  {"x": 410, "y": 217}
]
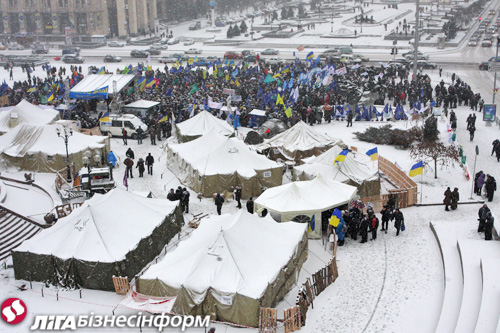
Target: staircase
[
  {"x": 471, "y": 301},
  {"x": 14, "y": 229}
]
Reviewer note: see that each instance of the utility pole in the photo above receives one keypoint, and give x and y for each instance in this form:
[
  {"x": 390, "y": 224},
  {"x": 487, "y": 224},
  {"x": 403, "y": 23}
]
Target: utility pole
[{"x": 415, "y": 50}]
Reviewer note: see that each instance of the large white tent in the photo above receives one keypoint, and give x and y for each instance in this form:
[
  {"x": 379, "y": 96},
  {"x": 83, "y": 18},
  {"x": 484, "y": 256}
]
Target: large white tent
[
  {"x": 306, "y": 198},
  {"x": 230, "y": 267},
  {"x": 215, "y": 163},
  {"x": 201, "y": 124},
  {"x": 357, "y": 169},
  {"x": 25, "y": 112},
  {"x": 119, "y": 230},
  {"x": 37, "y": 147},
  {"x": 296, "y": 143},
  {"x": 95, "y": 82}
]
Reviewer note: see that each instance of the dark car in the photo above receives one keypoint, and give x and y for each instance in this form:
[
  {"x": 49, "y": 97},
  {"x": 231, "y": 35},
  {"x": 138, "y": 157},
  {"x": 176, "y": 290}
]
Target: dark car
[
  {"x": 484, "y": 66},
  {"x": 40, "y": 49},
  {"x": 251, "y": 58},
  {"x": 201, "y": 62},
  {"x": 247, "y": 52},
  {"x": 233, "y": 55},
  {"x": 73, "y": 59},
  {"x": 139, "y": 54},
  {"x": 112, "y": 58},
  {"x": 154, "y": 51},
  {"x": 270, "y": 52}
]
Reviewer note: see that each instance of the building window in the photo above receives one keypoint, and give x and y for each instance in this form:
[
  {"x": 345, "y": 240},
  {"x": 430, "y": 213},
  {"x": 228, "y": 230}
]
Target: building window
[{"x": 50, "y": 158}]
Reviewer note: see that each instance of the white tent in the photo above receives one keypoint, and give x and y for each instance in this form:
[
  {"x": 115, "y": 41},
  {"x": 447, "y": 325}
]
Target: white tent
[
  {"x": 95, "y": 82},
  {"x": 142, "y": 104},
  {"x": 106, "y": 229},
  {"x": 230, "y": 267},
  {"x": 306, "y": 198},
  {"x": 297, "y": 142},
  {"x": 214, "y": 163},
  {"x": 25, "y": 112},
  {"x": 37, "y": 147},
  {"x": 200, "y": 125}
]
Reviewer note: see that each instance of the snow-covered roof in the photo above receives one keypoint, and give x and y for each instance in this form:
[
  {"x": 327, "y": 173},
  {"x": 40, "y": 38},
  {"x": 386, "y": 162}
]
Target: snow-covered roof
[
  {"x": 104, "y": 229},
  {"x": 27, "y": 113},
  {"x": 214, "y": 154},
  {"x": 356, "y": 167},
  {"x": 300, "y": 137},
  {"x": 306, "y": 197},
  {"x": 142, "y": 104},
  {"x": 97, "y": 81},
  {"x": 238, "y": 253},
  {"x": 202, "y": 123},
  {"x": 32, "y": 139},
  {"x": 257, "y": 112}
]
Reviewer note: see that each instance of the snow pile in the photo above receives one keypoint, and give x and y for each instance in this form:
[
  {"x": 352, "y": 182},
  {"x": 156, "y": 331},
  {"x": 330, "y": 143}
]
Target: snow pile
[{"x": 25, "y": 112}]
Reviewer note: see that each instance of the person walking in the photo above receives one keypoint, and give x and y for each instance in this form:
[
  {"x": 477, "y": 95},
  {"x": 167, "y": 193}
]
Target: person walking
[
  {"x": 399, "y": 220},
  {"x": 149, "y": 162},
  {"x": 185, "y": 200},
  {"x": 129, "y": 163},
  {"x": 495, "y": 143},
  {"x": 140, "y": 166},
  {"x": 455, "y": 197},
  {"x": 447, "y": 198},
  {"x": 130, "y": 153},
  {"x": 250, "y": 205},
  {"x": 374, "y": 226},
  {"x": 472, "y": 129},
  {"x": 237, "y": 196},
  {"x": 140, "y": 132},
  {"x": 152, "y": 134},
  {"x": 112, "y": 159},
  {"x": 386, "y": 216},
  {"x": 124, "y": 136},
  {"x": 482, "y": 214},
  {"x": 488, "y": 226},
  {"x": 491, "y": 187},
  {"x": 218, "y": 202}
]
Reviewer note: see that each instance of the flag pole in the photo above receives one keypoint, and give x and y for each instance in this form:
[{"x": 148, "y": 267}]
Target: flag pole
[{"x": 421, "y": 184}]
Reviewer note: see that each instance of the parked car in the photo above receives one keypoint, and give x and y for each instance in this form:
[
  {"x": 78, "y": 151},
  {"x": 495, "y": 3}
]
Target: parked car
[
  {"x": 40, "y": 49},
  {"x": 153, "y": 51},
  {"x": 159, "y": 46},
  {"x": 73, "y": 59},
  {"x": 247, "y": 52},
  {"x": 423, "y": 64},
  {"x": 173, "y": 41},
  {"x": 212, "y": 58},
  {"x": 331, "y": 52},
  {"x": 275, "y": 60},
  {"x": 139, "y": 54},
  {"x": 270, "y": 52},
  {"x": 419, "y": 57},
  {"x": 233, "y": 55},
  {"x": 484, "y": 66},
  {"x": 15, "y": 46},
  {"x": 361, "y": 57},
  {"x": 411, "y": 53},
  {"x": 116, "y": 44},
  {"x": 112, "y": 58},
  {"x": 2, "y": 47},
  {"x": 71, "y": 50},
  {"x": 195, "y": 26},
  {"x": 193, "y": 51},
  {"x": 188, "y": 42},
  {"x": 164, "y": 40},
  {"x": 165, "y": 59},
  {"x": 116, "y": 122},
  {"x": 251, "y": 58}
]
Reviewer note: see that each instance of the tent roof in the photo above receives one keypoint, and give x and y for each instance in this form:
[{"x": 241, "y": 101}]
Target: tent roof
[
  {"x": 105, "y": 228},
  {"x": 142, "y": 104},
  {"x": 300, "y": 137},
  {"x": 202, "y": 123},
  {"x": 306, "y": 197},
  {"x": 257, "y": 112},
  {"x": 27, "y": 113},
  {"x": 31, "y": 139},
  {"x": 97, "y": 81},
  {"x": 357, "y": 167},
  {"x": 214, "y": 154},
  {"x": 217, "y": 255}
]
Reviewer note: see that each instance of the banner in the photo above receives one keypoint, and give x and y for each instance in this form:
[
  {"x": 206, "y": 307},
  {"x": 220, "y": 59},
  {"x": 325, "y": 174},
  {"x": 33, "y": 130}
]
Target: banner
[
  {"x": 5, "y": 23},
  {"x": 38, "y": 21},
  {"x": 229, "y": 91},
  {"x": 55, "y": 24},
  {"x": 67, "y": 34},
  {"x": 21, "y": 21},
  {"x": 490, "y": 111},
  {"x": 96, "y": 94}
]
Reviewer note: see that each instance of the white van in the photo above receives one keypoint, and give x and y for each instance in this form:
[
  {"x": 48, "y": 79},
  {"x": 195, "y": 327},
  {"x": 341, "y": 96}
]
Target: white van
[{"x": 128, "y": 121}]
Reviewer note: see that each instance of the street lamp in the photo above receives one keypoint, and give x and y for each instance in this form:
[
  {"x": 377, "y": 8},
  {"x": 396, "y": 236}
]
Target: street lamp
[
  {"x": 496, "y": 67},
  {"x": 331, "y": 30},
  {"x": 65, "y": 136}
]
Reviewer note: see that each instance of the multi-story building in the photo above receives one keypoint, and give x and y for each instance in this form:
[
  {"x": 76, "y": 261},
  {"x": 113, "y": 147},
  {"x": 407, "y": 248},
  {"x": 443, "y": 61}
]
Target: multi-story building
[{"x": 83, "y": 17}]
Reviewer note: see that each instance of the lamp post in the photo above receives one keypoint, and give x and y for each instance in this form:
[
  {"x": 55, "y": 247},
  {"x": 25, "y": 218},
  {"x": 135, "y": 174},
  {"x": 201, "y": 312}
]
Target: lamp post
[
  {"x": 65, "y": 136},
  {"x": 331, "y": 30},
  {"x": 496, "y": 68},
  {"x": 474, "y": 172}
]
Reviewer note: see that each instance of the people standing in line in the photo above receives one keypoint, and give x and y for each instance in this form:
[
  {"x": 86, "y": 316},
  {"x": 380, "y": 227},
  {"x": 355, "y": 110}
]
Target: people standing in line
[
  {"x": 218, "y": 202},
  {"x": 149, "y": 162},
  {"x": 140, "y": 166},
  {"x": 185, "y": 199},
  {"x": 398, "y": 220},
  {"x": 447, "y": 199},
  {"x": 363, "y": 228},
  {"x": 171, "y": 195},
  {"x": 386, "y": 216},
  {"x": 124, "y": 136},
  {"x": 250, "y": 205},
  {"x": 479, "y": 182},
  {"x": 491, "y": 187},
  {"x": 482, "y": 214},
  {"x": 455, "y": 197},
  {"x": 140, "y": 132},
  {"x": 129, "y": 163},
  {"x": 340, "y": 231},
  {"x": 237, "y": 196},
  {"x": 488, "y": 226},
  {"x": 152, "y": 134},
  {"x": 130, "y": 153},
  {"x": 374, "y": 226}
]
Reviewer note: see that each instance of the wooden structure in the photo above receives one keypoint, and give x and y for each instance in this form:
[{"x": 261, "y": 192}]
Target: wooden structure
[
  {"x": 268, "y": 320},
  {"x": 66, "y": 209},
  {"x": 292, "y": 320},
  {"x": 121, "y": 285}
]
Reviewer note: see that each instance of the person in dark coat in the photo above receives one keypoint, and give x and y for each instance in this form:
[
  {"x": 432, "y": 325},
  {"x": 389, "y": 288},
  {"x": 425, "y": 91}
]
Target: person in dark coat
[
  {"x": 149, "y": 162},
  {"x": 140, "y": 166},
  {"x": 185, "y": 199},
  {"x": 497, "y": 152},
  {"x": 130, "y": 153},
  {"x": 171, "y": 195},
  {"x": 237, "y": 196},
  {"x": 140, "y": 133},
  {"x": 363, "y": 228},
  {"x": 250, "y": 205},
  {"x": 488, "y": 226},
  {"x": 129, "y": 164},
  {"x": 124, "y": 136},
  {"x": 178, "y": 193},
  {"x": 477, "y": 187},
  {"x": 349, "y": 119},
  {"x": 218, "y": 202},
  {"x": 491, "y": 187},
  {"x": 495, "y": 143},
  {"x": 386, "y": 216},
  {"x": 152, "y": 134},
  {"x": 455, "y": 197},
  {"x": 398, "y": 220},
  {"x": 482, "y": 214},
  {"x": 472, "y": 129},
  {"x": 447, "y": 198}
]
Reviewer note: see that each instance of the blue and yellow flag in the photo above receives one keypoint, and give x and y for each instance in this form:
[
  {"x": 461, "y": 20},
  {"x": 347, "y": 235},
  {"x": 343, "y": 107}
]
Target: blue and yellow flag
[
  {"x": 190, "y": 61},
  {"x": 310, "y": 56},
  {"x": 101, "y": 71},
  {"x": 32, "y": 88},
  {"x": 417, "y": 169},
  {"x": 105, "y": 117},
  {"x": 150, "y": 82},
  {"x": 335, "y": 219},
  {"x": 341, "y": 156},
  {"x": 279, "y": 100},
  {"x": 373, "y": 153},
  {"x": 312, "y": 224},
  {"x": 50, "y": 97},
  {"x": 164, "y": 118}
]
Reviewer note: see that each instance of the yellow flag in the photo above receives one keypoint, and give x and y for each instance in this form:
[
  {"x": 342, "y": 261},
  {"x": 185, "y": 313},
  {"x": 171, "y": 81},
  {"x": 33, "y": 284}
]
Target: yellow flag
[
  {"x": 190, "y": 61},
  {"x": 237, "y": 82},
  {"x": 288, "y": 112},
  {"x": 227, "y": 77},
  {"x": 215, "y": 72},
  {"x": 204, "y": 75}
]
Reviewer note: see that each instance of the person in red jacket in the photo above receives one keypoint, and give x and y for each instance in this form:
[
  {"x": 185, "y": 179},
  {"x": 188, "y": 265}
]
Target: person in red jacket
[{"x": 374, "y": 226}]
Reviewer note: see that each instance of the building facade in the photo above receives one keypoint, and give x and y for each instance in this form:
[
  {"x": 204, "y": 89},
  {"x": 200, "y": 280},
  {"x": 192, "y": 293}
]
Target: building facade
[{"x": 81, "y": 17}]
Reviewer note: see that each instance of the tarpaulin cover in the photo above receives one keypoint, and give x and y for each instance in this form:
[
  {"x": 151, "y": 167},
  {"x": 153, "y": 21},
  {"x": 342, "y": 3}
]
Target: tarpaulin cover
[
  {"x": 201, "y": 124},
  {"x": 25, "y": 112},
  {"x": 95, "y": 82}
]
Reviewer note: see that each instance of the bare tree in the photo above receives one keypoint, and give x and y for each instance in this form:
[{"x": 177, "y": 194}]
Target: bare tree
[{"x": 435, "y": 151}]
